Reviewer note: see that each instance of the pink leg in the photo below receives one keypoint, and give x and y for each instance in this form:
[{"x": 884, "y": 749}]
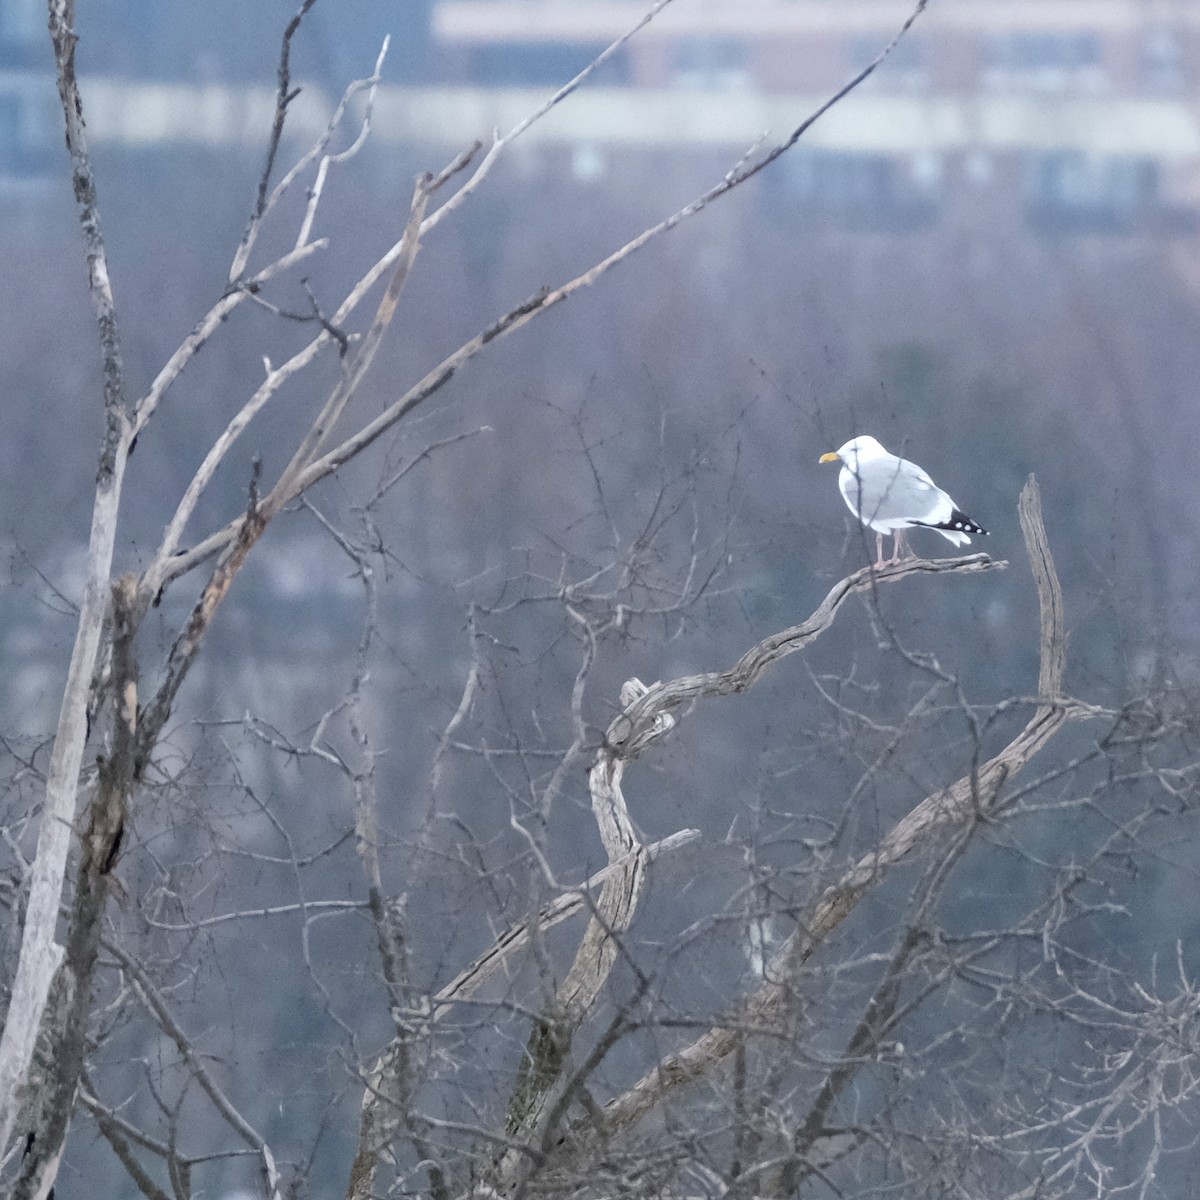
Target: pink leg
[{"x": 879, "y": 550}]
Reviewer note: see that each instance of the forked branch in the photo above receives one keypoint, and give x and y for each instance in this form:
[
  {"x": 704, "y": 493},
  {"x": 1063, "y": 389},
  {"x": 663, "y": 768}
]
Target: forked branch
[
  {"x": 545, "y": 1079},
  {"x": 970, "y": 797},
  {"x": 635, "y": 728},
  {"x": 333, "y": 459}
]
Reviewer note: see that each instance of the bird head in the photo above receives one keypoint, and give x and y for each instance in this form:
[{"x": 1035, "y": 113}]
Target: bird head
[{"x": 856, "y": 450}]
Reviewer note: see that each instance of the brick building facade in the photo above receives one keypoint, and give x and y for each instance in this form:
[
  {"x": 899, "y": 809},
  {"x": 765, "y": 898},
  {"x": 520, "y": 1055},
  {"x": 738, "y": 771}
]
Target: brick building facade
[{"x": 1090, "y": 47}]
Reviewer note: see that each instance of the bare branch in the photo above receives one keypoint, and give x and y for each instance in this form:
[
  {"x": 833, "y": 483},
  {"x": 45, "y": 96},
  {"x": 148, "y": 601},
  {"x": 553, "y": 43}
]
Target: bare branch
[
  {"x": 375, "y": 1124},
  {"x": 39, "y": 954},
  {"x": 101, "y": 846},
  {"x": 317, "y": 469},
  {"x": 499, "y": 144},
  {"x": 284, "y": 95},
  {"x": 962, "y": 801},
  {"x": 361, "y": 358},
  {"x": 571, "y": 903},
  {"x": 116, "y": 1137},
  {"x": 145, "y": 408},
  {"x": 157, "y": 1006},
  {"x": 634, "y": 729},
  {"x": 371, "y": 85},
  {"x": 547, "y": 1054}
]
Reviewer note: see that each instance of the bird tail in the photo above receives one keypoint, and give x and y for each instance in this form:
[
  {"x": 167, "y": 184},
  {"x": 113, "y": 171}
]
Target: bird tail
[{"x": 956, "y": 527}]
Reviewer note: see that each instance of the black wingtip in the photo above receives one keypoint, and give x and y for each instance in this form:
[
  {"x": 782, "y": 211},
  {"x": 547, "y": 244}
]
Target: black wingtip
[{"x": 959, "y": 522}]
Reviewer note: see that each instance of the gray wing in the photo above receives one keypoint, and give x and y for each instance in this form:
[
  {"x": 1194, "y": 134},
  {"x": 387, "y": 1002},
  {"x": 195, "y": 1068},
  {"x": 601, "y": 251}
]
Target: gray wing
[{"x": 893, "y": 492}]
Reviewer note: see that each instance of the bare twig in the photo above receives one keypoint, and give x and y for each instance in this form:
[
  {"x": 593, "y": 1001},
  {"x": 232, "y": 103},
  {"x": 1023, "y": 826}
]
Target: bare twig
[
  {"x": 517, "y": 318},
  {"x": 315, "y": 193},
  {"x": 284, "y": 95},
  {"x": 961, "y": 801},
  {"x": 159, "y": 1010},
  {"x": 500, "y": 143}
]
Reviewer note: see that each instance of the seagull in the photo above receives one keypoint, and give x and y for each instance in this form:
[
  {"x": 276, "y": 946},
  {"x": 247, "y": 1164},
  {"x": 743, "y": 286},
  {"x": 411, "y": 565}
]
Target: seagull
[{"x": 891, "y": 494}]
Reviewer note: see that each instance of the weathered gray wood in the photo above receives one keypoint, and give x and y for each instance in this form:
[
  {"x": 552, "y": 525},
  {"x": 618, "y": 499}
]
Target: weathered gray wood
[
  {"x": 40, "y": 955},
  {"x": 536, "y": 1099},
  {"x": 973, "y": 793},
  {"x": 635, "y": 728},
  {"x": 378, "y": 1122},
  {"x": 496, "y": 959}
]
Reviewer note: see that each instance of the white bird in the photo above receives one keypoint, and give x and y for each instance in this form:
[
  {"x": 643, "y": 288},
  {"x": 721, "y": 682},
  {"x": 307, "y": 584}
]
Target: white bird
[{"x": 890, "y": 494}]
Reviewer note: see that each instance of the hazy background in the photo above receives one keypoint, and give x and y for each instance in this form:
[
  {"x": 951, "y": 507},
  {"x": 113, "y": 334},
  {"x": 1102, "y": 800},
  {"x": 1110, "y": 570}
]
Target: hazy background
[{"x": 990, "y": 260}]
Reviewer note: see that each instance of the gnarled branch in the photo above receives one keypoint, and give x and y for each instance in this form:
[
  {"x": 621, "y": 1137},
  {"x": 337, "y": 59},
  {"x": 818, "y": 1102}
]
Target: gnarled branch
[{"x": 974, "y": 794}]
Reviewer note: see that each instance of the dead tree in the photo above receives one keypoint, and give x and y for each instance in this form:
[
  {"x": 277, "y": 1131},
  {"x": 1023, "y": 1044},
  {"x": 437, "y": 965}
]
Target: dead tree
[{"x": 560, "y": 1126}]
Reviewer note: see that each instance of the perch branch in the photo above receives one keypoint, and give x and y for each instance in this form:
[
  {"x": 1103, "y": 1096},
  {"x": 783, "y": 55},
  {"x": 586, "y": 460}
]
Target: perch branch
[
  {"x": 974, "y": 793},
  {"x": 645, "y": 719},
  {"x": 634, "y": 729}
]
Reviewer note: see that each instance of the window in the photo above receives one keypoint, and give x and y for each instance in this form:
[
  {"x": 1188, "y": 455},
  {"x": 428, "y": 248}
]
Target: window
[
  {"x": 868, "y": 191},
  {"x": 1045, "y": 61},
  {"x": 1074, "y": 190},
  {"x": 710, "y": 64},
  {"x": 1162, "y": 62}
]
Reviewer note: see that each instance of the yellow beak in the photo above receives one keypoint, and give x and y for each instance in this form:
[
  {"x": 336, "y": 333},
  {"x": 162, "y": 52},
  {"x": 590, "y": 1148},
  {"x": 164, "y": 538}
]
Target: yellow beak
[{"x": 830, "y": 457}]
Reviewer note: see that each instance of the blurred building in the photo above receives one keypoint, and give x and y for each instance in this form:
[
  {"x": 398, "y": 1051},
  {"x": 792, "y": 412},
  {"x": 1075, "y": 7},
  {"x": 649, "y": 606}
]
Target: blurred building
[
  {"x": 1087, "y": 108},
  {"x": 27, "y": 103},
  {"x": 1084, "y": 47},
  {"x": 1087, "y": 111},
  {"x": 187, "y": 73}
]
